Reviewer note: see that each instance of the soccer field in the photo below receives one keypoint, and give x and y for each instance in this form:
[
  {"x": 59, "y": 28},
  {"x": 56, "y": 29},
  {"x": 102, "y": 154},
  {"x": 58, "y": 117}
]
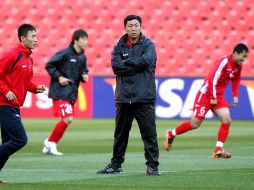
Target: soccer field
[{"x": 87, "y": 147}]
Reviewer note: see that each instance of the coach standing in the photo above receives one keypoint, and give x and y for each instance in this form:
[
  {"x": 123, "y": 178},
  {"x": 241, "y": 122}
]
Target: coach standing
[
  {"x": 134, "y": 62},
  {"x": 16, "y": 71}
]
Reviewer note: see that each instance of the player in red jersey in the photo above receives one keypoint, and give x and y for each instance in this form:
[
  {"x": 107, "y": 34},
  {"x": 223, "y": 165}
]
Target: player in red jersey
[{"x": 210, "y": 97}]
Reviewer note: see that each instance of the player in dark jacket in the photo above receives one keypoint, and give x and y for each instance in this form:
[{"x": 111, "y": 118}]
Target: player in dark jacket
[
  {"x": 134, "y": 62},
  {"x": 66, "y": 69},
  {"x": 16, "y": 72}
]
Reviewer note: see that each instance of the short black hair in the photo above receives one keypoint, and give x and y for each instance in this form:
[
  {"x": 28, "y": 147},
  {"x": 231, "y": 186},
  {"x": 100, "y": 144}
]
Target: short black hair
[
  {"x": 239, "y": 48},
  {"x": 132, "y": 17},
  {"x": 80, "y": 33},
  {"x": 24, "y": 29}
]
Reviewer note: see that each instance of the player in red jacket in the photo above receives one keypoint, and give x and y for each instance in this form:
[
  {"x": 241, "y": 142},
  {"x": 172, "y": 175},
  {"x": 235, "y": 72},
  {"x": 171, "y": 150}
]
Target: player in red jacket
[
  {"x": 210, "y": 97},
  {"x": 16, "y": 71}
]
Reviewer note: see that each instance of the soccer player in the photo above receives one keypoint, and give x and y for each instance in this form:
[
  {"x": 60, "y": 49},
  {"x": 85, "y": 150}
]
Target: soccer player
[
  {"x": 67, "y": 69},
  {"x": 134, "y": 62},
  {"x": 16, "y": 71},
  {"x": 210, "y": 97}
]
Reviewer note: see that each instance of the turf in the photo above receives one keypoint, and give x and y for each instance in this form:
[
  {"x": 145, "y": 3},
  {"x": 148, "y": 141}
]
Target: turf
[{"x": 87, "y": 147}]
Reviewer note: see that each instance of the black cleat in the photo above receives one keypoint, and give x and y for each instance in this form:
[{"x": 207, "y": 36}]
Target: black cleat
[
  {"x": 110, "y": 169},
  {"x": 152, "y": 171}
]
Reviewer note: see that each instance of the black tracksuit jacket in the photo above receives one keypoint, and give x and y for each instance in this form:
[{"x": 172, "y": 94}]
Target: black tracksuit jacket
[
  {"x": 67, "y": 63},
  {"x": 135, "y": 71}
]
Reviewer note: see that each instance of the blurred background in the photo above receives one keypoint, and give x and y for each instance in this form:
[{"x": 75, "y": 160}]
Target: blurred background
[{"x": 189, "y": 36}]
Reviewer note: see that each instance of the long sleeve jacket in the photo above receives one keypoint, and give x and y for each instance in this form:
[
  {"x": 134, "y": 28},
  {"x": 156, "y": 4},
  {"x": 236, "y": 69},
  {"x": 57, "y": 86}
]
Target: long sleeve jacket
[
  {"x": 16, "y": 71},
  {"x": 223, "y": 71},
  {"x": 67, "y": 63},
  {"x": 134, "y": 68}
]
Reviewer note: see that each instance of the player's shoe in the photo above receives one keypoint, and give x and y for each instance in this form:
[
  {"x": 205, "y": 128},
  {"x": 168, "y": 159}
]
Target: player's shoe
[
  {"x": 167, "y": 142},
  {"x": 221, "y": 154},
  {"x": 152, "y": 171},
  {"x": 50, "y": 148},
  {"x": 45, "y": 149},
  {"x": 110, "y": 169},
  {"x": 3, "y": 182}
]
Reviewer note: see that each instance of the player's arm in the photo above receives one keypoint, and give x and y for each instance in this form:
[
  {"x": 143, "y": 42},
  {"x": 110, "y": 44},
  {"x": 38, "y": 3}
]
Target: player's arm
[
  {"x": 6, "y": 62},
  {"x": 118, "y": 64},
  {"x": 34, "y": 88},
  {"x": 235, "y": 89},
  {"x": 141, "y": 63},
  {"x": 53, "y": 65},
  {"x": 84, "y": 71}
]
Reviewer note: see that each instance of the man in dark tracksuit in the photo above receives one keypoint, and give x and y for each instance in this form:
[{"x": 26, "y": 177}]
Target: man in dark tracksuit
[
  {"x": 16, "y": 72},
  {"x": 67, "y": 69},
  {"x": 134, "y": 62}
]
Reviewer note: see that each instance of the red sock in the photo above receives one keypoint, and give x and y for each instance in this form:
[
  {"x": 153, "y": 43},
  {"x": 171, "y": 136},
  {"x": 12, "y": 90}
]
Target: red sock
[
  {"x": 222, "y": 135},
  {"x": 182, "y": 128},
  {"x": 58, "y": 132}
]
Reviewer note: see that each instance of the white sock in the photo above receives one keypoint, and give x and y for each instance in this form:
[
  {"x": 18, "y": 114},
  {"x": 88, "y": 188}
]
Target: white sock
[
  {"x": 174, "y": 132},
  {"x": 219, "y": 144}
]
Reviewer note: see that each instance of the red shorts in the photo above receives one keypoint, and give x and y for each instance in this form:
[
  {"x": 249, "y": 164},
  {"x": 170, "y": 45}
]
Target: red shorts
[
  {"x": 63, "y": 108},
  {"x": 202, "y": 105}
]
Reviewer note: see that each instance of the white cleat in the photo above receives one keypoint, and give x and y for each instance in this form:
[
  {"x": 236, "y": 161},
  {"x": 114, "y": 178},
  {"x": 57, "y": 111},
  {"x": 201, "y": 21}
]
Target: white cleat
[
  {"x": 45, "y": 149},
  {"x": 50, "y": 148}
]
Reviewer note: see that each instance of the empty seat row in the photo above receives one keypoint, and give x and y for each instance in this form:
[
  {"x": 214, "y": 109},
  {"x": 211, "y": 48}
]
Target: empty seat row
[{"x": 189, "y": 35}]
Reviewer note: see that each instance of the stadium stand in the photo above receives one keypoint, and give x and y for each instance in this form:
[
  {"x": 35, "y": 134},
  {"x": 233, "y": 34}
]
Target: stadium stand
[{"x": 189, "y": 34}]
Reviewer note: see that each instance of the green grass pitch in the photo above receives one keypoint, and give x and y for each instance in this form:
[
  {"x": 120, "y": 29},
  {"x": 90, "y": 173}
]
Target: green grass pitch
[{"x": 87, "y": 147}]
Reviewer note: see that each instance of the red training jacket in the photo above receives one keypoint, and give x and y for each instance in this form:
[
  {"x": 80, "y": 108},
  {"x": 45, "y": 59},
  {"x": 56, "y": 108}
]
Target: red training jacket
[
  {"x": 223, "y": 71},
  {"x": 16, "y": 76}
]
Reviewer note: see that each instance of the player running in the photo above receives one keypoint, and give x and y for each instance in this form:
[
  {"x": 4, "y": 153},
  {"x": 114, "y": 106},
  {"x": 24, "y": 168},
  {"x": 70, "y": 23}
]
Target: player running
[
  {"x": 16, "y": 73},
  {"x": 210, "y": 97},
  {"x": 67, "y": 68}
]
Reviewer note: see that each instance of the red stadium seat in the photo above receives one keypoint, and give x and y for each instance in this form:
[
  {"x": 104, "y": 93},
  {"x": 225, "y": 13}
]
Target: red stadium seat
[{"x": 189, "y": 35}]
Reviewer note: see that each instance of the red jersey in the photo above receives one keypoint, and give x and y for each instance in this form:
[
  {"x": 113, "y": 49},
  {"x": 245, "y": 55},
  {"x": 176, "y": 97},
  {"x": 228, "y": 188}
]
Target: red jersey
[
  {"x": 16, "y": 75},
  {"x": 223, "y": 71}
]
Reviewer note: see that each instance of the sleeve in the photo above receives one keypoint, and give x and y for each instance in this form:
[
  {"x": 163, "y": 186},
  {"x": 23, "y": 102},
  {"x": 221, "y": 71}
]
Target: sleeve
[
  {"x": 6, "y": 62},
  {"x": 32, "y": 87},
  {"x": 236, "y": 84},
  {"x": 53, "y": 64},
  {"x": 215, "y": 74},
  {"x": 84, "y": 69},
  {"x": 148, "y": 57},
  {"x": 118, "y": 64}
]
